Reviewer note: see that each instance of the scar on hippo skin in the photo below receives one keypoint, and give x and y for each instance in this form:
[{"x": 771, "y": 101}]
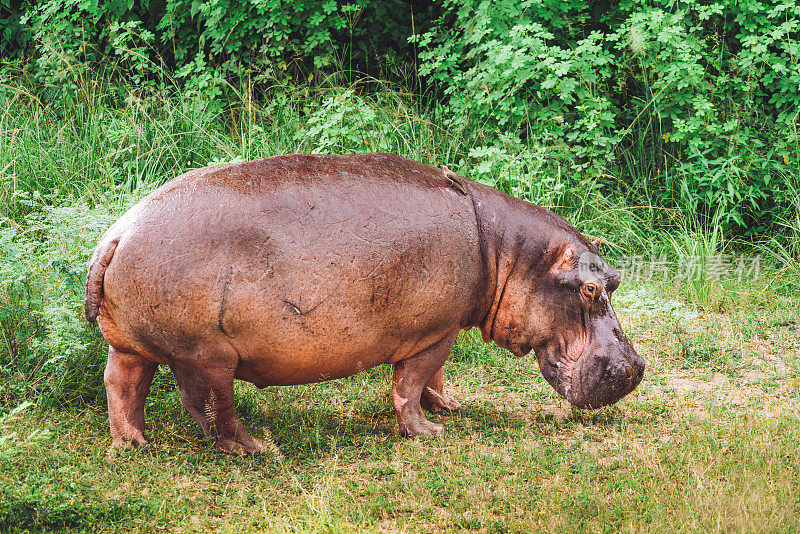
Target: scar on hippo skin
[
  {"x": 455, "y": 180},
  {"x": 210, "y": 410},
  {"x": 296, "y": 310},
  {"x": 293, "y": 307}
]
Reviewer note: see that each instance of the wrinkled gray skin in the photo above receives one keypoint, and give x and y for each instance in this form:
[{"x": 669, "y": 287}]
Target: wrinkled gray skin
[{"x": 297, "y": 269}]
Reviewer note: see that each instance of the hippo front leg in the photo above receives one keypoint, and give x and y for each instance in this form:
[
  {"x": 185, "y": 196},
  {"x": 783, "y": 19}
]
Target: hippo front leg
[
  {"x": 411, "y": 376},
  {"x": 434, "y": 398}
]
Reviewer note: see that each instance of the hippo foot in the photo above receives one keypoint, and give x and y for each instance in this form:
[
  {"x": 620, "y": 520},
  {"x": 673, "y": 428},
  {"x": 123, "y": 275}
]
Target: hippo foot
[
  {"x": 121, "y": 445},
  {"x": 438, "y": 402},
  {"x": 242, "y": 446},
  {"x": 421, "y": 428},
  {"x": 128, "y": 442}
]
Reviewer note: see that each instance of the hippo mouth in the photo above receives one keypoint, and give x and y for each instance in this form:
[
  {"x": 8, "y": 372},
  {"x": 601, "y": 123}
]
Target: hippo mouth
[
  {"x": 589, "y": 378},
  {"x": 597, "y": 381}
]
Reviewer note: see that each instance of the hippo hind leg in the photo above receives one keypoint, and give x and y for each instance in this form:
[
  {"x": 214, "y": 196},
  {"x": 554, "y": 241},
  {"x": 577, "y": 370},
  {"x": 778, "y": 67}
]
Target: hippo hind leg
[
  {"x": 434, "y": 398},
  {"x": 127, "y": 379},
  {"x": 206, "y": 385},
  {"x": 411, "y": 376}
]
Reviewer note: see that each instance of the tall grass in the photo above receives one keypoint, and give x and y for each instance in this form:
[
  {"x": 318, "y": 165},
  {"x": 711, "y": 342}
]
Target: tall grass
[
  {"x": 784, "y": 248},
  {"x": 106, "y": 139},
  {"x": 697, "y": 242}
]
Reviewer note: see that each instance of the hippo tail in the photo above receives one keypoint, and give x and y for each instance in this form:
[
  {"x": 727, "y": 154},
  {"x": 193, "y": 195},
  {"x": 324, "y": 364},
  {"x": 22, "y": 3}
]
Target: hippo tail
[{"x": 94, "y": 281}]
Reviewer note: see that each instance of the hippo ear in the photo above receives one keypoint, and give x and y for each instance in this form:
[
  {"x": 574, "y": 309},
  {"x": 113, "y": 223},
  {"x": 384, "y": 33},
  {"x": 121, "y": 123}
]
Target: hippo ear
[
  {"x": 596, "y": 242},
  {"x": 566, "y": 261}
]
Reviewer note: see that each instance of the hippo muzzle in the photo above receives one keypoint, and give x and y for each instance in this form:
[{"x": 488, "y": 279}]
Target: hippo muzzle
[
  {"x": 597, "y": 371},
  {"x": 604, "y": 375}
]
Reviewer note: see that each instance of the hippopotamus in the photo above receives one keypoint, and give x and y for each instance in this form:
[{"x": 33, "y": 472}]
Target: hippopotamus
[{"x": 302, "y": 268}]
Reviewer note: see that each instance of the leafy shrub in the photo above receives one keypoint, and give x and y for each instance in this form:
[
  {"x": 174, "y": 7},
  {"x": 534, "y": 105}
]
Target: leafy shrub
[
  {"x": 523, "y": 67},
  {"x": 47, "y": 345},
  {"x": 345, "y": 122},
  {"x": 203, "y": 43},
  {"x": 708, "y": 94}
]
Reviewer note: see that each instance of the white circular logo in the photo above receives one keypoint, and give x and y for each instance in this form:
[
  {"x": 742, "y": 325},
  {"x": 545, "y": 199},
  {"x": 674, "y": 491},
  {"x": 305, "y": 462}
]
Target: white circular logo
[{"x": 591, "y": 267}]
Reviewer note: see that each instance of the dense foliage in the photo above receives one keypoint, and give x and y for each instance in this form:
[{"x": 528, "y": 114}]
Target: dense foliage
[
  {"x": 698, "y": 99},
  {"x": 201, "y": 43},
  {"x": 692, "y": 103}
]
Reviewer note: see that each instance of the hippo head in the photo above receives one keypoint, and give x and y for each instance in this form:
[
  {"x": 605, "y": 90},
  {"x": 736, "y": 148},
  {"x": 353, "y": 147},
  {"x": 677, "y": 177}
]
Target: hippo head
[{"x": 560, "y": 307}]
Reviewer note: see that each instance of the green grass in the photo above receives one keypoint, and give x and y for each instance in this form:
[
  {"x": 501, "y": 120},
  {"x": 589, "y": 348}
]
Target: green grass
[{"x": 706, "y": 443}]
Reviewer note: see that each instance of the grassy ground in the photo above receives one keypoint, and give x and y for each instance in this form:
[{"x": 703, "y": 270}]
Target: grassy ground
[{"x": 708, "y": 442}]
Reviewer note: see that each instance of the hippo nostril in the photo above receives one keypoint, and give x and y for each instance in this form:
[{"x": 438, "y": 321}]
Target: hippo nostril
[{"x": 628, "y": 371}]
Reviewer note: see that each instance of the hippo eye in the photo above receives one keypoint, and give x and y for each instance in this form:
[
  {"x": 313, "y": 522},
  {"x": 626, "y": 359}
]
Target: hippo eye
[{"x": 591, "y": 291}]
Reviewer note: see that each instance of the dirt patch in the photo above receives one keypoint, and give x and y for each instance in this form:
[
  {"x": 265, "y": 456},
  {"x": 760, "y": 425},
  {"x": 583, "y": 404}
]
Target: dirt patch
[
  {"x": 766, "y": 356},
  {"x": 683, "y": 385},
  {"x": 388, "y": 525}
]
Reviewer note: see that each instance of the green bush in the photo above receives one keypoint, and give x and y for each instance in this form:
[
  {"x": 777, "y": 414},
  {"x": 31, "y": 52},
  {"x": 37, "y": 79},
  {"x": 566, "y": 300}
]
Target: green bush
[
  {"x": 203, "y": 43},
  {"x": 699, "y": 99},
  {"x": 45, "y": 342}
]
